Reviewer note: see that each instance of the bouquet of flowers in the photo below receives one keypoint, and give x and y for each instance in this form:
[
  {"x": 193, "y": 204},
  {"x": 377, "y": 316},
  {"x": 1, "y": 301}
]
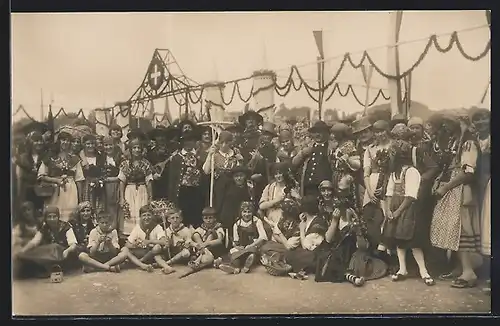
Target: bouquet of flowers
[
  {"x": 382, "y": 159},
  {"x": 126, "y": 210},
  {"x": 97, "y": 184}
]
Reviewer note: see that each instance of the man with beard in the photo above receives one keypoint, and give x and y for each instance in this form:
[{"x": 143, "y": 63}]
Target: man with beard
[
  {"x": 315, "y": 160},
  {"x": 250, "y": 121},
  {"x": 158, "y": 156}
]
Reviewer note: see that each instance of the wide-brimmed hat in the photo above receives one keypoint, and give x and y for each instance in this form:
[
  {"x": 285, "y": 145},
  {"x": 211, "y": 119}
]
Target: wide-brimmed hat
[
  {"x": 35, "y": 126},
  {"x": 415, "y": 121},
  {"x": 319, "y": 126},
  {"x": 269, "y": 128},
  {"x": 381, "y": 125},
  {"x": 162, "y": 131},
  {"x": 250, "y": 115},
  {"x": 190, "y": 136},
  {"x": 361, "y": 124},
  {"x": 136, "y": 134},
  {"x": 340, "y": 128},
  {"x": 401, "y": 131},
  {"x": 240, "y": 169}
]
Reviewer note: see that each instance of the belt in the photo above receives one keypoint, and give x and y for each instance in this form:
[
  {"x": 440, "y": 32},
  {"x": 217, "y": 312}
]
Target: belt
[{"x": 136, "y": 184}]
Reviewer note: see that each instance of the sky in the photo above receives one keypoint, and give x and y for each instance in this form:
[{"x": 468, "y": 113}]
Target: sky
[{"x": 89, "y": 60}]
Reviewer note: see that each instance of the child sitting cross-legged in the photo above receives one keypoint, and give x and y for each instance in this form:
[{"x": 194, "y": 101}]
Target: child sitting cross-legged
[
  {"x": 103, "y": 251},
  {"x": 146, "y": 241},
  {"x": 179, "y": 238},
  {"x": 248, "y": 236},
  {"x": 208, "y": 240}
]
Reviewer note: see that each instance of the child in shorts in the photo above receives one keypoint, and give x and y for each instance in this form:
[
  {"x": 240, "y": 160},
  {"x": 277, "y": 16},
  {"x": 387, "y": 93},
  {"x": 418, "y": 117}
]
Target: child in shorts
[
  {"x": 146, "y": 242},
  {"x": 103, "y": 251},
  {"x": 208, "y": 239},
  {"x": 179, "y": 238}
]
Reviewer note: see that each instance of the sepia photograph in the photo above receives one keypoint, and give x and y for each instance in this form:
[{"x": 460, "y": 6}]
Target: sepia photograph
[{"x": 251, "y": 163}]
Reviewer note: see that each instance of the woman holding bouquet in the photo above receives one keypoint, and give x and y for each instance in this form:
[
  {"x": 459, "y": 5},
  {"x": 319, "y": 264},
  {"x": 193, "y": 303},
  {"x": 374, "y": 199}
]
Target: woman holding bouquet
[
  {"x": 112, "y": 159},
  {"x": 136, "y": 174},
  {"x": 375, "y": 169},
  {"x": 64, "y": 170},
  {"x": 93, "y": 170}
]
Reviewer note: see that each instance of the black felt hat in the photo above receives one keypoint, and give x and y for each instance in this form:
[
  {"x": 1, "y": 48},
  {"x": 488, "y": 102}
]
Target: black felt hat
[
  {"x": 136, "y": 134},
  {"x": 162, "y": 131},
  {"x": 319, "y": 126},
  {"x": 250, "y": 115},
  {"x": 190, "y": 136}
]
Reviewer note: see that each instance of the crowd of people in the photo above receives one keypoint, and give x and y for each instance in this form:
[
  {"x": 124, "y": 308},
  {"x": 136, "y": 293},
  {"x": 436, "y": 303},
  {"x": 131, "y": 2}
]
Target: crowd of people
[{"x": 351, "y": 204}]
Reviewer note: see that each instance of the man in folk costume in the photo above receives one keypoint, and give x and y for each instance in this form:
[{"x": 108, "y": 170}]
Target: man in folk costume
[
  {"x": 316, "y": 160},
  {"x": 346, "y": 159},
  {"x": 250, "y": 121},
  {"x": 363, "y": 133},
  {"x": 158, "y": 157},
  {"x": 184, "y": 175}
]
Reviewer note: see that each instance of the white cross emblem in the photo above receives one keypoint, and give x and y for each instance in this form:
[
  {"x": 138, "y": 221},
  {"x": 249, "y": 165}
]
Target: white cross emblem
[{"x": 155, "y": 75}]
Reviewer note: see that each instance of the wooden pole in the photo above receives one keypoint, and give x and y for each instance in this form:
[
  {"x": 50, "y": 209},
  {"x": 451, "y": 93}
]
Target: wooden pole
[
  {"x": 321, "y": 82},
  {"x": 367, "y": 76},
  {"x": 393, "y": 61},
  {"x": 212, "y": 170}
]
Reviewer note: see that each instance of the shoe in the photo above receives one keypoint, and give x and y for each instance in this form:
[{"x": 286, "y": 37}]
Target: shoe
[
  {"x": 429, "y": 281},
  {"x": 248, "y": 263},
  {"x": 229, "y": 269},
  {"x": 398, "y": 277},
  {"x": 460, "y": 283}
]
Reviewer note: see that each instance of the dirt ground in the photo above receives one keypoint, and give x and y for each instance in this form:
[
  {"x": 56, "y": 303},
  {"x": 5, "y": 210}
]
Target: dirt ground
[{"x": 135, "y": 292}]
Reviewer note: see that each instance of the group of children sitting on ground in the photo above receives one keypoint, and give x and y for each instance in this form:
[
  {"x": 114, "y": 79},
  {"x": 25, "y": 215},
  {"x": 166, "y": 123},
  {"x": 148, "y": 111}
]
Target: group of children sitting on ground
[{"x": 161, "y": 240}]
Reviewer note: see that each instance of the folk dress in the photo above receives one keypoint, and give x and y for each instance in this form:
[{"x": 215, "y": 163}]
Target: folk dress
[
  {"x": 371, "y": 167},
  {"x": 455, "y": 222},
  {"x": 27, "y": 167},
  {"x": 112, "y": 189},
  {"x": 245, "y": 233},
  {"x": 272, "y": 191},
  {"x": 407, "y": 231},
  {"x": 65, "y": 197},
  {"x": 223, "y": 164},
  {"x": 303, "y": 258},
  {"x": 135, "y": 174},
  {"x": 93, "y": 189},
  {"x": 485, "y": 191},
  {"x": 289, "y": 228},
  {"x": 340, "y": 168}
]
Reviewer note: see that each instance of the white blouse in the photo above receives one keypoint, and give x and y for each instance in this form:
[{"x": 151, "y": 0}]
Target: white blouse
[{"x": 411, "y": 186}]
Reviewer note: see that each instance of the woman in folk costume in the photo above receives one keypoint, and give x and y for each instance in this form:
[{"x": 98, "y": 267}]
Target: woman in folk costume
[
  {"x": 363, "y": 133},
  {"x": 315, "y": 160},
  {"x": 64, "y": 170},
  {"x": 405, "y": 227},
  {"x": 93, "y": 190},
  {"x": 112, "y": 160},
  {"x": 27, "y": 166},
  {"x": 345, "y": 159},
  {"x": 312, "y": 229},
  {"x": 424, "y": 160},
  {"x": 344, "y": 255},
  {"x": 136, "y": 174},
  {"x": 287, "y": 149},
  {"x": 227, "y": 202},
  {"x": 375, "y": 171},
  {"x": 481, "y": 121},
  {"x": 285, "y": 236},
  {"x": 283, "y": 186},
  {"x": 225, "y": 157},
  {"x": 116, "y": 132},
  {"x": 184, "y": 180},
  {"x": 158, "y": 156},
  {"x": 455, "y": 222}
]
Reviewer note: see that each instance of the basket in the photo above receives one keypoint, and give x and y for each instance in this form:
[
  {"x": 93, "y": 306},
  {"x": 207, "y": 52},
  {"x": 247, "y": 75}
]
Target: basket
[{"x": 44, "y": 189}]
